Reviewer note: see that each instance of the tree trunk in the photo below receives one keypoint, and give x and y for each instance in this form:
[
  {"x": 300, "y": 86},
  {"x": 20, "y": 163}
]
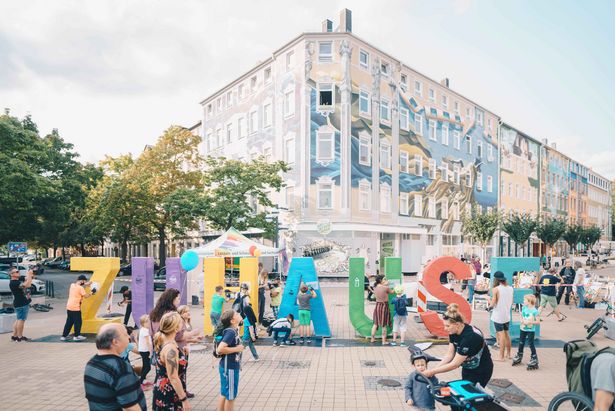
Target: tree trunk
[
  {"x": 124, "y": 250},
  {"x": 82, "y": 247},
  {"x": 162, "y": 247}
]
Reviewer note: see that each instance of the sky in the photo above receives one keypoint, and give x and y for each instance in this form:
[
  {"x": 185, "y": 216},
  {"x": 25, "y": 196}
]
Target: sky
[{"x": 113, "y": 75}]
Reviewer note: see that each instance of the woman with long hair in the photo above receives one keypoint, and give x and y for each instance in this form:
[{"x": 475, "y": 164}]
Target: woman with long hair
[
  {"x": 382, "y": 313},
  {"x": 501, "y": 304},
  {"x": 169, "y": 388},
  {"x": 466, "y": 349}
]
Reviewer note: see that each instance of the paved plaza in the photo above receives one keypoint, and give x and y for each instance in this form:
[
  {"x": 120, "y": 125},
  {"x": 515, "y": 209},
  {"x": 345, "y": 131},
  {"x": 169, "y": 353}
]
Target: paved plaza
[{"x": 341, "y": 373}]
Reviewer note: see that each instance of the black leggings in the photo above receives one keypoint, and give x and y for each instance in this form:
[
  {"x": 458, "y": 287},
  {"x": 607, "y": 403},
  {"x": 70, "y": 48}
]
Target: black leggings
[
  {"x": 530, "y": 341},
  {"x": 128, "y": 312},
  {"x": 72, "y": 318},
  {"x": 147, "y": 365},
  {"x": 480, "y": 376}
]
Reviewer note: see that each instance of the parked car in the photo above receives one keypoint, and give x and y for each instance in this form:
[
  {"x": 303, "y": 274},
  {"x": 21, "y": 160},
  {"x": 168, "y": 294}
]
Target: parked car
[
  {"x": 160, "y": 279},
  {"x": 37, "y": 286},
  {"x": 125, "y": 269},
  {"x": 64, "y": 265},
  {"x": 48, "y": 261}
]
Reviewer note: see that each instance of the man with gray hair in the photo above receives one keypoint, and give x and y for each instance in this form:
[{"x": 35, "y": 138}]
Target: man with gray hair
[{"x": 110, "y": 383}]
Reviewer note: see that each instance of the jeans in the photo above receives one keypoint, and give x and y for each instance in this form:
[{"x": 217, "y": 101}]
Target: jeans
[
  {"x": 147, "y": 365},
  {"x": 560, "y": 292},
  {"x": 72, "y": 318},
  {"x": 581, "y": 295},
  {"x": 284, "y": 330},
  {"x": 249, "y": 343},
  {"x": 529, "y": 335},
  {"x": 276, "y": 310},
  {"x": 215, "y": 319},
  {"x": 261, "y": 304}
]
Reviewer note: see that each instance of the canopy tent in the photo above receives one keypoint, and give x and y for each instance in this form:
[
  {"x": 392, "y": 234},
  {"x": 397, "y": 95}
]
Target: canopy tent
[{"x": 234, "y": 244}]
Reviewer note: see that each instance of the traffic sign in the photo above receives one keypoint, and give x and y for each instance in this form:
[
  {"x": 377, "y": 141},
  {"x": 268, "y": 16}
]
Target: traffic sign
[{"x": 18, "y": 247}]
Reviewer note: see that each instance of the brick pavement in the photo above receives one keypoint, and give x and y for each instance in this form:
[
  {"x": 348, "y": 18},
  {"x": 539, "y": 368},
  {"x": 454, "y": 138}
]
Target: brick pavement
[{"x": 48, "y": 376}]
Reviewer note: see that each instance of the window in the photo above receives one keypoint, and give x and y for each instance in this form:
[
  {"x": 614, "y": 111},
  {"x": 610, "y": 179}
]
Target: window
[
  {"x": 219, "y": 138},
  {"x": 289, "y": 150},
  {"x": 325, "y": 95},
  {"x": 365, "y": 149},
  {"x": 229, "y": 132},
  {"x": 479, "y": 181},
  {"x": 418, "y": 205},
  {"x": 219, "y": 104},
  {"x": 385, "y": 110},
  {"x": 456, "y": 108},
  {"x": 469, "y": 179},
  {"x": 290, "y": 198},
  {"x": 444, "y": 101},
  {"x": 403, "y": 162},
  {"x": 241, "y": 91},
  {"x": 385, "y": 198},
  {"x": 364, "y": 103},
  {"x": 418, "y": 124},
  {"x": 325, "y": 52},
  {"x": 479, "y": 116},
  {"x": 403, "y": 204},
  {"x": 404, "y": 81},
  {"x": 267, "y": 115},
  {"x": 489, "y": 152},
  {"x": 432, "y": 130},
  {"x": 418, "y": 165},
  {"x": 385, "y": 69},
  {"x": 457, "y": 174},
  {"x": 210, "y": 141},
  {"x": 325, "y": 148},
  {"x": 290, "y": 60},
  {"x": 432, "y": 95},
  {"x": 242, "y": 130},
  {"x": 365, "y": 195},
  {"x": 418, "y": 88},
  {"x": 479, "y": 149},
  {"x": 469, "y": 144},
  {"x": 385, "y": 155},
  {"x": 289, "y": 103},
  {"x": 364, "y": 59},
  {"x": 489, "y": 124},
  {"x": 325, "y": 195},
  {"x": 267, "y": 75},
  {"x": 489, "y": 184},
  {"x": 468, "y": 114},
  {"x": 432, "y": 168},
  {"x": 444, "y": 171},
  {"x": 510, "y": 189},
  {"x": 455, "y": 210},
  {"x": 457, "y": 139},
  {"x": 445, "y": 134},
  {"x": 431, "y": 207},
  {"x": 229, "y": 99},
  {"x": 253, "y": 84},
  {"x": 444, "y": 209},
  {"x": 404, "y": 119},
  {"x": 209, "y": 109},
  {"x": 267, "y": 154},
  {"x": 253, "y": 122}
]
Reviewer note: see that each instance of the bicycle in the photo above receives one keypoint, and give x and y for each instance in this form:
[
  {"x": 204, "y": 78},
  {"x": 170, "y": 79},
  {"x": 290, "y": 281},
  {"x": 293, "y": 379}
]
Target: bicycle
[
  {"x": 600, "y": 322},
  {"x": 462, "y": 395},
  {"x": 570, "y": 401},
  {"x": 45, "y": 308}
]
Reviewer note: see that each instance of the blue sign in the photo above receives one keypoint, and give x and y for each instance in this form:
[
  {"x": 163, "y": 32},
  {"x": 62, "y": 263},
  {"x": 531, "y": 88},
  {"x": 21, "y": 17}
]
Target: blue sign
[{"x": 18, "y": 248}]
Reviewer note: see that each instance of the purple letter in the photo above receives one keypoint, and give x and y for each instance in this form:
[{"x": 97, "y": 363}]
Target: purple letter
[
  {"x": 142, "y": 287},
  {"x": 176, "y": 278}
]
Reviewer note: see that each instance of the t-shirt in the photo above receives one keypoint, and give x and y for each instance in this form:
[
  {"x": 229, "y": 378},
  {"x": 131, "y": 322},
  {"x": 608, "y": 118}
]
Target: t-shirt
[
  {"x": 111, "y": 384},
  {"x": 21, "y": 297},
  {"x": 471, "y": 344},
  {"x": 216, "y": 303},
  {"x": 304, "y": 300},
  {"x": 277, "y": 300},
  {"x": 231, "y": 338},
  {"x": 547, "y": 289},
  {"x": 418, "y": 392},
  {"x": 280, "y": 323},
  {"x": 527, "y": 314},
  {"x": 382, "y": 293},
  {"x": 75, "y": 296},
  {"x": 601, "y": 375},
  {"x": 246, "y": 328},
  {"x": 143, "y": 339},
  {"x": 477, "y": 267}
]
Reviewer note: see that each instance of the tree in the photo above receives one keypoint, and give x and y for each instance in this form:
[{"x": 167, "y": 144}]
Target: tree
[
  {"x": 590, "y": 236},
  {"x": 519, "y": 228},
  {"x": 550, "y": 231},
  {"x": 572, "y": 236},
  {"x": 234, "y": 188},
  {"x": 481, "y": 227}
]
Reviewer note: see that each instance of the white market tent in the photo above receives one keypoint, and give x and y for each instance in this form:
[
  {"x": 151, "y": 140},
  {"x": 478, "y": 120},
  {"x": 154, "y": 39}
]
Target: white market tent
[{"x": 234, "y": 244}]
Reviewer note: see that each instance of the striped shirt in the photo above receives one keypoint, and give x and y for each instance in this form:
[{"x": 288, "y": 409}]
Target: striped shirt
[{"x": 111, "y": 384}]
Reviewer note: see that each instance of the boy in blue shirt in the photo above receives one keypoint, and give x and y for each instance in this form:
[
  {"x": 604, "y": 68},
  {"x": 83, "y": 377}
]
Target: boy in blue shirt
[
  {"x": 249, "y": 335},
  {"x": 529, "y": 319},
  {"x": 400, "y": 315}
]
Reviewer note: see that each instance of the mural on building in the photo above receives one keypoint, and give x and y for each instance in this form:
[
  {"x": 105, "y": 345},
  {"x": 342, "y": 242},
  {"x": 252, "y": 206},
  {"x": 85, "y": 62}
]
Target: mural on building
[{"x": 554, "y": 181}]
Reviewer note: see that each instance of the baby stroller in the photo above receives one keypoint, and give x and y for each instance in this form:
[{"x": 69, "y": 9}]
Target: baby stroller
[{"x": 462, "y": 395}]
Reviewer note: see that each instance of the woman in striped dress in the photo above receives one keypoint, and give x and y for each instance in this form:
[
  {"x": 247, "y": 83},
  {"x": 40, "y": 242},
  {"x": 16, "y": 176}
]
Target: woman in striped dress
[{"x": 382, "y": 314}]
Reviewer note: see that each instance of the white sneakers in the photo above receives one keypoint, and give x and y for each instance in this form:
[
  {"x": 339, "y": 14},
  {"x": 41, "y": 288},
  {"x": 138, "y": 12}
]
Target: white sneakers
[{"x": 79, "y": 338}]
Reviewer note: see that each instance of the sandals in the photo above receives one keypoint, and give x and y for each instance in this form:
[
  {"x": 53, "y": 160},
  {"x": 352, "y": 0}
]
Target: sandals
[{"x": 563, "y": 318}]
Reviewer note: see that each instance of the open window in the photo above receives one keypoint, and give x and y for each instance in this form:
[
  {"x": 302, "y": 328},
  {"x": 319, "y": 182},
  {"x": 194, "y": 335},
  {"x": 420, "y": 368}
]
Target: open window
[{"x": 325, "y": 95}]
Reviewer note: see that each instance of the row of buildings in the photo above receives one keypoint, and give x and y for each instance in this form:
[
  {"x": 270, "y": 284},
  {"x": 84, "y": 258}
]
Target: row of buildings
[{"x": 385, "y": 160}]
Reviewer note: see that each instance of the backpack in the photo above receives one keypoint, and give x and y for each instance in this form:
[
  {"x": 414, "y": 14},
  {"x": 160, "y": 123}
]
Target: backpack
[
  {"x": 217, "y": 339},
  {"x": 238, "y": 304},
  {"x": 579, "y": 357},
  {"x": 400, "y": 306}
]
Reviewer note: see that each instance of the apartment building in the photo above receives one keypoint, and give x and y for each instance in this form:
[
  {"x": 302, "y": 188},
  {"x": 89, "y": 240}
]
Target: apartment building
[{"x": 599, "y": 203}]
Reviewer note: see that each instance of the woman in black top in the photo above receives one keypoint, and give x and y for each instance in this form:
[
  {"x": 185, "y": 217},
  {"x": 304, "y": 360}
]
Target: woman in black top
[{"x": 467, "y": 349}]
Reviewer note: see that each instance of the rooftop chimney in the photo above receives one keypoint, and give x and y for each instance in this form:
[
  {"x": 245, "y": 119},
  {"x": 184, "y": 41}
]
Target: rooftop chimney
[
  {"x": 346, "y": 21},
  {"x": 327, "y": 26},
  {"x": 554, "y": 146},
  {"x": 445, "y": 82}
]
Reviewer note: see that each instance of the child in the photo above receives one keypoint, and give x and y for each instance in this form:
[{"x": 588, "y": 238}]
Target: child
[
  {"x": 285, "y": 326},
  {"x": 529, "y": 318},
  {"x": 417, "y": 392},
  {"x": 400, "y": 316},
  {"x": 249, "y": 334},
  {"x": 276, "y": 297},
  {"x": 145, "y": 349},
  {"x": 305, "y": 315},
  {"x": 216, "y": 306}
]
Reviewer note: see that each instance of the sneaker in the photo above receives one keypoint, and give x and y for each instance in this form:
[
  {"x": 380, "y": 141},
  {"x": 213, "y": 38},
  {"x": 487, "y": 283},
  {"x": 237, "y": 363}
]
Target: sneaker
[
  {"x": 79, "y": 338},
  {"x": 301, "y": 341},
  {"x": 189, "y": 394},
  {"x": 291, "y": 342},
  {"x": 402, "y": 344},
  {"x": 309, "y": 341},
  {"x": 257, "y": 359},
  {"x": 25, "y": 339},
  {"x": 276, "y": 344},
  {"x": 393, "y": 344},
  {"x": 62, "y": 338},
  {"x": 14, "y": 338}
]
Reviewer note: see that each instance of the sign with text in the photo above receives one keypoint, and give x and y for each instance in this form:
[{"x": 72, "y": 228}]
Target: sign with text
[{"x": 18, "y": 247}]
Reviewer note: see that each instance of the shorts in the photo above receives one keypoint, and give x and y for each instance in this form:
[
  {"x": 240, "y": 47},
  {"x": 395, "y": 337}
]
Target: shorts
[
  {"x": 22, "y": 312},
  {"x": 501, "y": 326},
  {"x": 229, "y": 383},
  {"x": 548, "y": 299},
  {"x": 399, "y": 323},
  {"x": 305, "y": 317}
]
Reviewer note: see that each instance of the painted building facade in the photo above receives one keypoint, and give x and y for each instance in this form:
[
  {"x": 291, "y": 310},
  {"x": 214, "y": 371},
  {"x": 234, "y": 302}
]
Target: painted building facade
[
  {"x": 578, "y": 191},
  {"x": 599, "y": 203}
]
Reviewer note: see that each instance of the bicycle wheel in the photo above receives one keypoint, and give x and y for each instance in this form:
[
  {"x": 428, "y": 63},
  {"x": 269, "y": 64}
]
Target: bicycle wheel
[{"x": 569, "y": 401}]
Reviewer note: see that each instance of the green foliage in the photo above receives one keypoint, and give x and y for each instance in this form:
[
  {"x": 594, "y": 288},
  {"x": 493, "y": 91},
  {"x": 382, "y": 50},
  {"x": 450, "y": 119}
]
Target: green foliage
[
  {"x": 481, "y": 226},
  {"x": 550, "y": 231},
  {"x": 572, "y": 235},
  {"x": 590, "y": 235},
  {"x": 519, "y": 228}
]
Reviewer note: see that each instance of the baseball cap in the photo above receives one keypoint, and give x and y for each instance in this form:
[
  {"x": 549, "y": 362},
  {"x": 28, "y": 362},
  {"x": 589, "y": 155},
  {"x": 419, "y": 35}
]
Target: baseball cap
[
  {"x": 499, "y": 275},
  {"x": 82, "y": 277}
]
